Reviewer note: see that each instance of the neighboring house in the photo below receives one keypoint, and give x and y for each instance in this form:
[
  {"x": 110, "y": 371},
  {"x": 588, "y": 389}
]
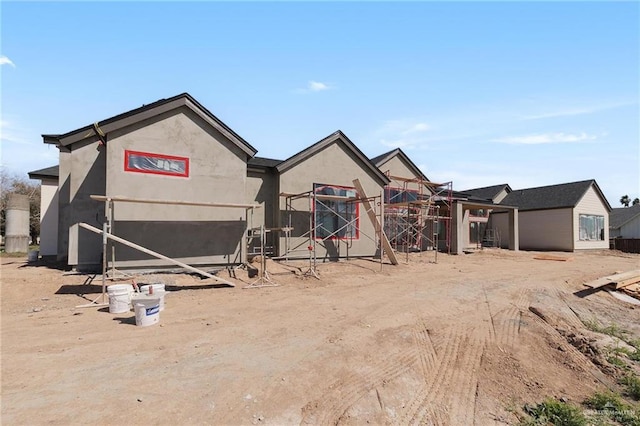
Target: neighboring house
[
  {"x": 48, "y": 210},
  {"x": 173, "y": 149},
  {"x": 625, "y": 222},
  {"x": 566, "y": 217}
]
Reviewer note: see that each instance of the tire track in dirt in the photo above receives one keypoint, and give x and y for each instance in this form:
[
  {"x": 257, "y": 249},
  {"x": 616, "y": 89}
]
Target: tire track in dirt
[
  {"x": 449, "y": 390},
  {"x": 424, "y": 345},
  {"x": 508, "y": 321},
  {"x": 350, "y": 389}
]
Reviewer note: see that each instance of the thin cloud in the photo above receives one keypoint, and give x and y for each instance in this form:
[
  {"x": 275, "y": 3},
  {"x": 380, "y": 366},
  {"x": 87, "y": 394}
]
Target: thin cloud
[
  {"x": 6, "y": 61},
  {"x": 571, "y": 112},
  {"x": 416, "y": 128},
  {"x": 405, "y": 133},
  {"x": 547, "y": 138},
  {"x": 315, "y": 86}
]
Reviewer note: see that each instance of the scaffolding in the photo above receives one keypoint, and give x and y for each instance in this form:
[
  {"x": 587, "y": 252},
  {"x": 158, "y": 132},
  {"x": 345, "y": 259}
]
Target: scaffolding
[
  {"x": 418, "y": 214},
  {"x": 348, "y": 229}
]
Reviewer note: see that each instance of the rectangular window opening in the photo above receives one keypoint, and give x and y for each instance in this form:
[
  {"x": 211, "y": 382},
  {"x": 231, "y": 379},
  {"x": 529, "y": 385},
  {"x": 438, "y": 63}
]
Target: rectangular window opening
[
  {"x": 336, "y": 218},
  {"x": 591, "y": 227},
  {"x": 159, "y": 164}
]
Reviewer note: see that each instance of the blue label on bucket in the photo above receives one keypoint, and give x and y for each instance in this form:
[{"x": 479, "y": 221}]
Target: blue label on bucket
[{"x": 153, "y": 310}]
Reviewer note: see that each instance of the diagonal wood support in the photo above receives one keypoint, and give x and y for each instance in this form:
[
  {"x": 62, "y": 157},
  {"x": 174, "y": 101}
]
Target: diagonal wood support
[
  {"x": 155, "y": 254},
  {"x": 386, "y": 246}
]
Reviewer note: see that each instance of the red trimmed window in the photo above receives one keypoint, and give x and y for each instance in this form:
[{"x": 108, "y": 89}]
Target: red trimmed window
[
  {"x": 335, "y": 218},
  {"x": 158, "y": 164}
]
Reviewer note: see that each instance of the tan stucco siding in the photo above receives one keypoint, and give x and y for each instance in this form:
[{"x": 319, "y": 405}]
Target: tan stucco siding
[
  {"x": 217, "y": 174},
  {"x": 49, "y": 217},
  {"x": 332, "y": 166},
  {"x": 397, "y": 167},
  {"x": 86, "y": 178},
  {"x": 590, "y": 204}
]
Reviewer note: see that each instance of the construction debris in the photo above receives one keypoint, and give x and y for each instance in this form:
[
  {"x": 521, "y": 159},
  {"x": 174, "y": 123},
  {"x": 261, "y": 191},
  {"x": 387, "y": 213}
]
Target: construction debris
[{"x": 552, "y": 257}]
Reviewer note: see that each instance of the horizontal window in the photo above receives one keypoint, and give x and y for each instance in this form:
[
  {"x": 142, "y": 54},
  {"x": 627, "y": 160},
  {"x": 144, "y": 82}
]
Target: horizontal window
[
  {"x": 591, "y": 227},
  {"x": 160, "y": 164}
]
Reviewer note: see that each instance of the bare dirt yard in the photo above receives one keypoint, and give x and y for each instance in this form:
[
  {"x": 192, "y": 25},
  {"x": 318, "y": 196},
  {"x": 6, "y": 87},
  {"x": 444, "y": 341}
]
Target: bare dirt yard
[{"x": 467, "y": 340}]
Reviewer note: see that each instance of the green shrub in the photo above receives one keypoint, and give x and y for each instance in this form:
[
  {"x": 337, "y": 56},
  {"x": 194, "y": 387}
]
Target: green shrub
[{"x": 555, "y": 412}]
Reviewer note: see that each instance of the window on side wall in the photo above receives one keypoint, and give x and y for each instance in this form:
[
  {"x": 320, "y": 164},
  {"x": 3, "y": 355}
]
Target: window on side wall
[
  {"x": 159, "y": 164},
  {"x": 335, "y": 218},
  {"x": 591, "y": 227}
]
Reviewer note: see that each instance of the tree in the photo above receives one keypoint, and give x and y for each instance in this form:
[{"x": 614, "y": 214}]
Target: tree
[
  {"x": 636, "y": 201},
  {"x": 14, "y": 184},
  {"x": 625, "y": 200}
]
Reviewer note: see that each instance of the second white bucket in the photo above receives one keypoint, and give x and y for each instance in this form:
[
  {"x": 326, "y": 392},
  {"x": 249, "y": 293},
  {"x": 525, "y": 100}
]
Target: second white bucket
[
  {"x": 156, "y": 290},
  {"x": 119, "y": 298},
  {"x": 147, "y": 312}
]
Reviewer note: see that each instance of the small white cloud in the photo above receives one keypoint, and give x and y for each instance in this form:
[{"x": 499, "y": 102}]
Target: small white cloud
[
  {"x": 547, "y": 138},
  {"x": 6, "y": 61},
  {"x": 316, "y": 86}
]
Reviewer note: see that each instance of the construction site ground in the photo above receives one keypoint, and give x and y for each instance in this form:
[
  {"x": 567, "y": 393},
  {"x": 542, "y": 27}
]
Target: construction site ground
[{"x": 466, "y": 340}]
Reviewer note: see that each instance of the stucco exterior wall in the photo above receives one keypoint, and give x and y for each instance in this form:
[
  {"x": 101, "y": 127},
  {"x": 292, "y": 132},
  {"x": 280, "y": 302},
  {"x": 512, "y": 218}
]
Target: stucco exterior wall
[
  {"x": 590, "y": 204},
  {"x": 86, "y": 177},
  {"x": 397, "y": 167},
  {"x": 49, "y": 217},
  {"x": 262, "y": 189},
  {"x": 334, "y": 165},
  {"x": 217, "y": 174}
]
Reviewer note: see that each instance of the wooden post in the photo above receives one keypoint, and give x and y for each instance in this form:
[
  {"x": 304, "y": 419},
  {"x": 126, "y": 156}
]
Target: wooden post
[{"x": 372, "y": 216}]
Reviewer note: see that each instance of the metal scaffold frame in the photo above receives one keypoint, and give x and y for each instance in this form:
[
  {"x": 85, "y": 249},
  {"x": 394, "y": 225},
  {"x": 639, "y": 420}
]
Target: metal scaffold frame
[
  {"x": 414, "y": 210},
  {"x": 107, "y": 234},
  {"x": 311, "y": 237}
]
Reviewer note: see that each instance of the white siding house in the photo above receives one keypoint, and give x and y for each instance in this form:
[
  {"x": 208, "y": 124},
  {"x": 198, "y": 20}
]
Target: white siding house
[
  {"x": 625, "y": 222},
  {"x": 565, "y": 217}
]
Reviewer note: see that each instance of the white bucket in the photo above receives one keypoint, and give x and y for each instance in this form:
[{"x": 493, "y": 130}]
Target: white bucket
[
  {"x": 147, "y": 311},
  {"x": 157, "y": 294},
  {"x": 119, "y": 297}
]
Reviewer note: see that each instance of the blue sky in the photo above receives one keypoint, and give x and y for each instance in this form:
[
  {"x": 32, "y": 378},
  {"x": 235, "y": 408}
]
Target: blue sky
[{"x": 528, "y": 94}]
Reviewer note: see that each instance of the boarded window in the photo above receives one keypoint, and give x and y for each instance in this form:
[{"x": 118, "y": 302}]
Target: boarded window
[
  {"x": 335, "y": 216},
  {"x": 591, "y": 227},
  {"x": 146, "y": 162}
]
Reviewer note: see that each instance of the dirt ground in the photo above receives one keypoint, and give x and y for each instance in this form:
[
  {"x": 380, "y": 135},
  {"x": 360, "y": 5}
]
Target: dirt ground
[{"x": 462, "y": 341}]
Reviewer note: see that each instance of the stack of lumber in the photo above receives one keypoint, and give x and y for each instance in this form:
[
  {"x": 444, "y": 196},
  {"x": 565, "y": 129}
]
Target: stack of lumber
[{"x": 627, "y": 282}]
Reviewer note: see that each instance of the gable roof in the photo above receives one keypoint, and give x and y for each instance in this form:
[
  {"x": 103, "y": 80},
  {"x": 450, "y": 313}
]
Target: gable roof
[
  {"x": 565, "y": 195},
  {"x": 147, "y": 111},
  {"x": 487, "y": 192},
  {"x": 47, "y": 173},
  {"x": 621, "y": 216},
  {"x": 383, "y": 158},
  {"x": 335, "y": 137}
]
